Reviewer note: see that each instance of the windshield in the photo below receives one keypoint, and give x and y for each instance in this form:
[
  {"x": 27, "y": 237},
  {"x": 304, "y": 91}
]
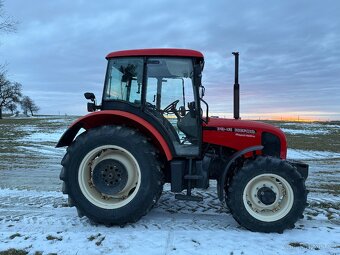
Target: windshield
[{"x": 124, "y": 81}]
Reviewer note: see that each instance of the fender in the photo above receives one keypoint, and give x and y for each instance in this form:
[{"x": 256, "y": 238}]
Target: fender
[
  {"x": 236, "y": 155},
  {"x": 111, "y": 117}
]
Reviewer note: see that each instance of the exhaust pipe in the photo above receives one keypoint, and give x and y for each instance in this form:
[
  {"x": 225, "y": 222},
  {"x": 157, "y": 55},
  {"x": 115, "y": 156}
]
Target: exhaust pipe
[{"x": 236, "y": 89}]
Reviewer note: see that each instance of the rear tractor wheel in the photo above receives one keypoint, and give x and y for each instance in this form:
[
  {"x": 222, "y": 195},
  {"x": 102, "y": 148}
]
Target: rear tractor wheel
[
  {"x": 267, "y": 195},
  {"x": 111, "y": 174}
]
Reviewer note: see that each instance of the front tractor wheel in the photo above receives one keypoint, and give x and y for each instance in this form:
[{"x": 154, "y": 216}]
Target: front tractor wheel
[
  {"x": 267, "y": 195},
  {"x": 112, "y": 175}
]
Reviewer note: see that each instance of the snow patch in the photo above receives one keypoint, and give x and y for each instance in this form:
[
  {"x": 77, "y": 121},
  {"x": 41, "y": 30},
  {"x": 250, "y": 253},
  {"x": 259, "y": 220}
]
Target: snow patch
[
  {"x": 304, "y": 154},
  {"x": 305, "y": 131},
  {"x": 44, "y": 150},
  {"x": 29, "y": 193},
  {"x": 311, "y": 125},
  {"x": 43, "y": 137}
]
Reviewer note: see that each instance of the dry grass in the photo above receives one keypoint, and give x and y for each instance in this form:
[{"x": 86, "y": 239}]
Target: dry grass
[
  {"x": 12, "y": 132},
  {"x": 14, "y": 236},
  {"x": 321, "y": 142},
  {"x": 51, "y": 238},
  {"x": 13, "y": 252},
  {"x": 331, "y": 188}
]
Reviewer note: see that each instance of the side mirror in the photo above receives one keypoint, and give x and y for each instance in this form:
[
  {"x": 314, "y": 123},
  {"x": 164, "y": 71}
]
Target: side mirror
[
  {"x": 202, "y": 91},
  {"x": 89, "y": 96},
  {"x": 91, "y": 107}
]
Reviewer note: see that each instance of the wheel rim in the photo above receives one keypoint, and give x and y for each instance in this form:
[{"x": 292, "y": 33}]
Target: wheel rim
[
  {"x": 260, "y": 202},
  {"x": 131, "y": 185}
]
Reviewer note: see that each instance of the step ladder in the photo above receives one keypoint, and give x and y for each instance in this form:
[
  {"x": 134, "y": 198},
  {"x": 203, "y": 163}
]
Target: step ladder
[{"x": 190, "y": 177}]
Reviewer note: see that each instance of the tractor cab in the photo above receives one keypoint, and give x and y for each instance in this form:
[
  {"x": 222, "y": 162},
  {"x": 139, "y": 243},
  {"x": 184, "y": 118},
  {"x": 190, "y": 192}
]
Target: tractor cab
[{"x": 162, "y": 88}]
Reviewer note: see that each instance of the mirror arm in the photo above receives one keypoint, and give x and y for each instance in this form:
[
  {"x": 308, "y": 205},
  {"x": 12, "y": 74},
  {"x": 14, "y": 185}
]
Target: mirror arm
[{"x": 206, "y": 120}]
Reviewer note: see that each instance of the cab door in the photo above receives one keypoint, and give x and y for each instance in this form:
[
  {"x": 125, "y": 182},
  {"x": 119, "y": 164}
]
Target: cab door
[{"x": 171, "y": 94}]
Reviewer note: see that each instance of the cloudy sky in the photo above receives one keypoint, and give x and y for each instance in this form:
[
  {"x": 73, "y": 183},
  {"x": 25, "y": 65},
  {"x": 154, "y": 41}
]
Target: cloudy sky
[{"x": 289, "y": 50}]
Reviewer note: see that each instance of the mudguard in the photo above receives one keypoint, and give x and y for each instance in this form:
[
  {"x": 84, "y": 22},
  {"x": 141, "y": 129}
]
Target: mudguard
[
  {"x": 236, "y": 155},
  {"x": 116, "y": 117}
]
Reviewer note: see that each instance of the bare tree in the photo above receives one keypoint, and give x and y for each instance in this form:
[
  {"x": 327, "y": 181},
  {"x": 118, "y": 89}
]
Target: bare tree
[
  {"x": 7, "y": 24},
  {"x": 12, "y": 107},
  {"x": 10, "y": 92},
  {"x": 27, "y": 104}
]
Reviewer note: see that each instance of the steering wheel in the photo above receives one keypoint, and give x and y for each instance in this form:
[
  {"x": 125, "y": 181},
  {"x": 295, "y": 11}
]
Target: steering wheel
[{"x": 171, "y": 107}]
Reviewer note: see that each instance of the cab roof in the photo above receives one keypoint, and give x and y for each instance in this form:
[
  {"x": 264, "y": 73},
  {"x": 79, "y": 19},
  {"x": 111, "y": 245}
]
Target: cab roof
[{"x": 156, "y": 52}]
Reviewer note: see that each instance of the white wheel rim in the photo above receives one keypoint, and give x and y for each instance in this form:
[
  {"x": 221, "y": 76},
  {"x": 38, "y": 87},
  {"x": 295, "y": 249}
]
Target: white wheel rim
[
  {"x": 279, "y": 208},
  {"x": 85, "y": 176}
]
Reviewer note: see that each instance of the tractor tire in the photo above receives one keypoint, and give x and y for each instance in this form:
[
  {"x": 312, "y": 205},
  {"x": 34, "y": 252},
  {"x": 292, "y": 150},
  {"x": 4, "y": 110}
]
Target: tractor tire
[
  {"x": 112, "y": 175},
  {"x": 267, "y": 195}
]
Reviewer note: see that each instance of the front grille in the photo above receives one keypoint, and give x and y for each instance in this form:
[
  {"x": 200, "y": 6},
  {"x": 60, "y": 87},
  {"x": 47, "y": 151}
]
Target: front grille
[{"x": 271, "y": 144}]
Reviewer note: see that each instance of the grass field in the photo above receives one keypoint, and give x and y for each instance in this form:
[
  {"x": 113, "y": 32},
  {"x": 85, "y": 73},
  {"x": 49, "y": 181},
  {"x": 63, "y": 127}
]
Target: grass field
[
  {"x": 319, "y": 136},
  {"x": 22, "y": 139}
]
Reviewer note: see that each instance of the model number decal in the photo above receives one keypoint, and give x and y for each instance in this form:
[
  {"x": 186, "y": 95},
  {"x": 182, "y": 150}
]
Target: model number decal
[
  {"x": 223, "y": 129},
  {"x": 236, "y": 130}
]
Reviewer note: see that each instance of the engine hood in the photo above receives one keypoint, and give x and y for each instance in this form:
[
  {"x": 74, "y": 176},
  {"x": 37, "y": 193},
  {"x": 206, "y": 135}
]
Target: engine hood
[{"x": 240, "y": 134}]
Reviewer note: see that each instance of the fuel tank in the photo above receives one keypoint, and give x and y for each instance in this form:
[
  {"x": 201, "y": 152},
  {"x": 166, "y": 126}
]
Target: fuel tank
[{"x": 240, "y": 134}]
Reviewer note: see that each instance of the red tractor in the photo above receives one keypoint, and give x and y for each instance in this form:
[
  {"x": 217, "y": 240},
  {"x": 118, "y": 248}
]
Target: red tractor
[{"x": 152, "y": 127}]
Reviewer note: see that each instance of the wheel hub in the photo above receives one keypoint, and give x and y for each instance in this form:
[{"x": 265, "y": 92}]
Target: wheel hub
[
  {"x": 266, "y": 195},
  {"x": 109, "y": 177}
]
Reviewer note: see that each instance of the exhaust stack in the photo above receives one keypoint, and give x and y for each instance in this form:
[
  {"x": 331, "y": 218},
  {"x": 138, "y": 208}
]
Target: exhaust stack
[{"x": 236, "y": 89}]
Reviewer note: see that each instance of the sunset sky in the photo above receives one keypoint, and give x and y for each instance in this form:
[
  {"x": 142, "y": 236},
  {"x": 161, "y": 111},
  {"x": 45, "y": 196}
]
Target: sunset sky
[{"x": 289, "y": 50}]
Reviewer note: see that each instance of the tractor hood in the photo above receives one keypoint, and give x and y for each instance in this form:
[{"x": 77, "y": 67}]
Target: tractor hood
[{"x": 241, "y": 134}]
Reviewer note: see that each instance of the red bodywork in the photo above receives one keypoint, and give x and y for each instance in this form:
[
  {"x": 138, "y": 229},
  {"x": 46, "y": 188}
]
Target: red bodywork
[
  {"x": 156, "y": 52},
  {"x": 235, "y": 134},
  {"x": 240, "y": 134},
  {"x": 113, "y": 117}
]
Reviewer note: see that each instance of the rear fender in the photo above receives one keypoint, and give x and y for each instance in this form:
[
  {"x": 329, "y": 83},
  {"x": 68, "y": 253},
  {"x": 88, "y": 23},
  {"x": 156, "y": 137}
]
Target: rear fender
[{"x": 115, "y": 117}]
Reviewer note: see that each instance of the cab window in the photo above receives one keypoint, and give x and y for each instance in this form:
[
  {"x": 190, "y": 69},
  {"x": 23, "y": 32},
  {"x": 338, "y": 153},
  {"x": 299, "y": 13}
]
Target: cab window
[{"x": 124, "y": 81}]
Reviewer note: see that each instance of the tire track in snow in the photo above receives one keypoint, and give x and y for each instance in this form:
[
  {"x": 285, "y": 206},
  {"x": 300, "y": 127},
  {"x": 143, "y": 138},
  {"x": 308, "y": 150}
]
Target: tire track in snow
[{"x": 49, "y": 210}]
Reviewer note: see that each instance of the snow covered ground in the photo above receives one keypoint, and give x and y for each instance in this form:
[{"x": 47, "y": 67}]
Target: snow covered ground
[
  {"x": 297, "y": 128},
  {"x": 304, "y": 131},
  {"x": 34, "y": 215},
  {"x": 308, "y": 154}
]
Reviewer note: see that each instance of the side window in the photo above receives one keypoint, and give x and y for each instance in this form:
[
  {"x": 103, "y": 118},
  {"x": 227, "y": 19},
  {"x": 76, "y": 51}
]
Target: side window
[
  {"x": 168, "y": 80},
  {"x": 124, "y": 80}
]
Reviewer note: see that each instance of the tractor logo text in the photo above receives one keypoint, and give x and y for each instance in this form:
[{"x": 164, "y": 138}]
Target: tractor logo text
[{"x": 243, "y": 130}]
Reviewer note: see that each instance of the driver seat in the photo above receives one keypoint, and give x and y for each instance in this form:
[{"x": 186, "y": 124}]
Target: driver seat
[{"x": 188, "y": 125}]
